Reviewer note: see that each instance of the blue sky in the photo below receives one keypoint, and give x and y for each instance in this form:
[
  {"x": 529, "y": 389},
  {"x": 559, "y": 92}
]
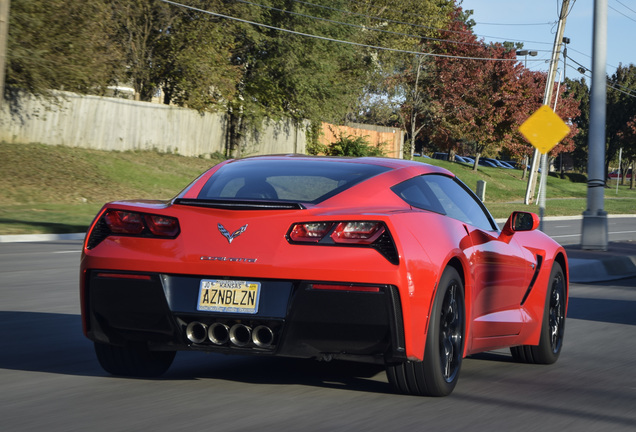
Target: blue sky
[{"x": 534, "y": 24}]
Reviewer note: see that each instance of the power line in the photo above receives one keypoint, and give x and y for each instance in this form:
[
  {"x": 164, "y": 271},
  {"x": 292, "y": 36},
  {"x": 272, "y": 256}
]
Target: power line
[
  {"x": 354, "y": 25},
  {"x": 387, "y": 20},
  {"x": 625, "y": 6},
  {"x": 616, "y": 10},
  {"x": 332, "y": 39}
]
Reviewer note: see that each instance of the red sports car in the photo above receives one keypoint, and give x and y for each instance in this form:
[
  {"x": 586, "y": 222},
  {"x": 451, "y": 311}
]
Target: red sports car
[{"x": 374, "y": 260}]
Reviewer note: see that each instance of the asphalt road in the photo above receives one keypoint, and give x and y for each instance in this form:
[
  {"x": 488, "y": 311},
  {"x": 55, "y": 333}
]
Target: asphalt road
[
  {"x": 51, "y": 381},
  {"x": 567, "y": 230}
]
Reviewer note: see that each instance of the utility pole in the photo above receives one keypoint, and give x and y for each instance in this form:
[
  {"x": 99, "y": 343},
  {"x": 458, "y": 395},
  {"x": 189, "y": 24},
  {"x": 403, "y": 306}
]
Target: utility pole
[
  {"x": 594, "y": 229},
  {"x": 549, "y": 87},
  {"x": 4, "y": 35}
]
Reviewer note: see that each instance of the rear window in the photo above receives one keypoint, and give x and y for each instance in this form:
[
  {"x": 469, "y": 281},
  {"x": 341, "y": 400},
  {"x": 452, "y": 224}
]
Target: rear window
[{"x": 308, "y": 181}]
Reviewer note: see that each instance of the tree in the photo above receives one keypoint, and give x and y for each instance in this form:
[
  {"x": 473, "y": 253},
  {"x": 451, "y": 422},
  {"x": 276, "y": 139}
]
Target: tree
[
  {"x": 477, "y": 100},
  {"x": 579, "y": 90},
  {"x": 61, "y": 45},
  {"x": 395, "y": 96},
  {"x": 627, "y": 139},
  {"x": 621, "y": 109},
  {"x": 290, "y": 75}
]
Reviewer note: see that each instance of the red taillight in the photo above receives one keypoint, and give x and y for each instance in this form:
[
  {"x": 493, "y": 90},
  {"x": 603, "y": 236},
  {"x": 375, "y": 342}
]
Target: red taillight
[
  {"x": 162, "y": 225},
  {"x": 358, "y": 288},
  {"x": 122, "y": 222},
  {"x": 356, "y": 233},
  {"x": 124, "y": 276},
  {"x": 361, "y": 232},
  {"x": 311, "y": 232}
]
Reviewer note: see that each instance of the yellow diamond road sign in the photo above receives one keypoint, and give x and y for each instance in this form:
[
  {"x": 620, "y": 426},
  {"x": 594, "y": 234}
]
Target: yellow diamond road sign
[{"x": 544, "y": 129}]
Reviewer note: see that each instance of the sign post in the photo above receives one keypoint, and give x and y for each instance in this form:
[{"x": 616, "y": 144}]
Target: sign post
[{"x": 544, "y": 129}]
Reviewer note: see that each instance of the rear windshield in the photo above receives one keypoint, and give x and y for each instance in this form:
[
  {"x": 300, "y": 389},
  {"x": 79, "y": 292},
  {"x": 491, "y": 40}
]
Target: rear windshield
[{"x": 308, "y": 181}]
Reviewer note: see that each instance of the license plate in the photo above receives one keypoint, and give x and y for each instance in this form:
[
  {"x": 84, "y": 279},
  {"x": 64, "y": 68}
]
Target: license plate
[{"x": 229, "y": 296}]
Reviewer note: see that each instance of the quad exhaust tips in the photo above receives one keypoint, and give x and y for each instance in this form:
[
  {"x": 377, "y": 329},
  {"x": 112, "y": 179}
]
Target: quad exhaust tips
[
  {"x": 219, "y": 334},
  {"x": 197, "y": 332},
  {"x": 263, "y": 336},
  {"x": 239, "y": 335}
]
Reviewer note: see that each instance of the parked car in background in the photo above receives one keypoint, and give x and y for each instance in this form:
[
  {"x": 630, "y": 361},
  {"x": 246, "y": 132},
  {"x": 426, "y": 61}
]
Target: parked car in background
[
  {"x": 513, "y": 164},
  {"x": 461, "y": 159},
  {"x": 614, "y": 174},
  {"x": 486, "y": 162},
  {"x": 506, "y": 164}
]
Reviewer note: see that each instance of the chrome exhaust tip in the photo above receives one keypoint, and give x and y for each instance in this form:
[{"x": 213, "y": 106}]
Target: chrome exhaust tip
[
  {"x": 197, "y": 332},
  {"x": 219, "y": 333},
  {"x": 263, "y": 336},
  {"x": 240, "y": 335}
]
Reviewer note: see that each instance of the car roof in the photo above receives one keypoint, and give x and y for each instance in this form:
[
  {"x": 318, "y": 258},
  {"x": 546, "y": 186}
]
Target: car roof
[{"x": 391, "y": 163}]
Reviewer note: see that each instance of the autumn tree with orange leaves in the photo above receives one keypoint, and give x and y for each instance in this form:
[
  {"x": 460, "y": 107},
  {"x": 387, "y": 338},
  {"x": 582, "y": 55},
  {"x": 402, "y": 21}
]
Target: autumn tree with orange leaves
[{"x": 481, "y": 95}]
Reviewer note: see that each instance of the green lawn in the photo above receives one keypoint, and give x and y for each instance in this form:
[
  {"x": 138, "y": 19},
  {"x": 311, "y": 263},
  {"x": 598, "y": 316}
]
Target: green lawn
[{"x": 55, "y": 189}]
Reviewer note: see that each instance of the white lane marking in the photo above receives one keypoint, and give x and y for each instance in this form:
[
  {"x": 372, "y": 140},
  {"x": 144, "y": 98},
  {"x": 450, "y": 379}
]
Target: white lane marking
[{"x": 609, "y": 233}]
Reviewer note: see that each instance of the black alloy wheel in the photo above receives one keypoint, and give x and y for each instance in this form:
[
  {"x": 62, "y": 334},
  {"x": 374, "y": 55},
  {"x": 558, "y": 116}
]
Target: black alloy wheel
[
  {"x": 438, "y": 373},
  {"x": 553, "y": 326}
]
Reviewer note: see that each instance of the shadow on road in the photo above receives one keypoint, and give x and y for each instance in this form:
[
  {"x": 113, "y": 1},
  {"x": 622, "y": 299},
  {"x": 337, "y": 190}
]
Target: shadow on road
[
  {"x": 602, "y": 310},
  {"x": 54, "y": 343}
]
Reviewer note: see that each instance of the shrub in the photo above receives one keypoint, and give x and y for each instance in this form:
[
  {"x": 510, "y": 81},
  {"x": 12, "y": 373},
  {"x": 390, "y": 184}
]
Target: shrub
[{"x": 355, "y": 146}]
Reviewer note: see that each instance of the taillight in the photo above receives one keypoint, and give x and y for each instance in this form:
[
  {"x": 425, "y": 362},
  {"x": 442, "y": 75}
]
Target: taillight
[
  {"x": 122, "y": 222},
  {"x": 311, "y": 232},
  {"x": 363, "y": 233},
  {"x": 162, "y": 225},
  {"x": 349, "y": 287},
  {"x": 372, "y": 234},
  {"x": 127, "y": 223}
]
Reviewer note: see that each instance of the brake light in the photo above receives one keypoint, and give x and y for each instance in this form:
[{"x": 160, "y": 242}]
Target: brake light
[
  {"x": 162, "y": 225},
  {"x": 362, "y": 232},
  {"x": 124, "y": 276},
  {"x": 369, "y": 234},
  {"x": 127, "y": 223},
  {"x": 311, "y": 232},
  {"x": 122, "y": 222},
  {"x": 357, "y": 288}
]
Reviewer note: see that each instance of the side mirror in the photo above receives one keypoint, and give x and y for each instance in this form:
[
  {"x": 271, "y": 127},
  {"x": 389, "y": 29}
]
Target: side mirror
[{"x": 519, "y": 221}]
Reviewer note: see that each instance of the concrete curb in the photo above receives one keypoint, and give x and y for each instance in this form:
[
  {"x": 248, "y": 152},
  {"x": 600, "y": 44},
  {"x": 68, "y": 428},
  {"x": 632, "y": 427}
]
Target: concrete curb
[{"x": 23, "y": 238}]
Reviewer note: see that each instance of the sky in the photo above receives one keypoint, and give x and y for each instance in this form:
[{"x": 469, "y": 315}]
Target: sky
[{"x": 535, "y": 23}]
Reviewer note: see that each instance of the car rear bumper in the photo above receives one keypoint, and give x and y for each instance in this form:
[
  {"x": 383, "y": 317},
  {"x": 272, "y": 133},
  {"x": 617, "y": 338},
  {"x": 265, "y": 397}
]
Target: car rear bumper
[{"x": 293, "y": 318}]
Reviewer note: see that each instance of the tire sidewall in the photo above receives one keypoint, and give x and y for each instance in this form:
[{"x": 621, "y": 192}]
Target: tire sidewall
[{"x": 432, "y": 366}]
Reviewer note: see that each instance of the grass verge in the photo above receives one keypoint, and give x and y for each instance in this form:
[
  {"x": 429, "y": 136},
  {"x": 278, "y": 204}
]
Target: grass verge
[{"x": 55, "y": 189}]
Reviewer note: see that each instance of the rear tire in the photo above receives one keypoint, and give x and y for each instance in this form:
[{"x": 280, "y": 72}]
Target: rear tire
[
  {"x": 438, "y": 373},
  {"x": 552, "y": 328},
  {"x": 135, "y": 361}
]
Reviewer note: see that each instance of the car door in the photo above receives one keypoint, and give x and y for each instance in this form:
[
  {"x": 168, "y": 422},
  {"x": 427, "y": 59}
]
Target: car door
[{"x": 500, "y": 270}]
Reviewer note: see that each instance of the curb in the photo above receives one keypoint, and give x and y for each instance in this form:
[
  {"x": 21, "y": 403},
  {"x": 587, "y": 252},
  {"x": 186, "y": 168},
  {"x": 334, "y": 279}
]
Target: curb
[{"x": 23, "y": 238}]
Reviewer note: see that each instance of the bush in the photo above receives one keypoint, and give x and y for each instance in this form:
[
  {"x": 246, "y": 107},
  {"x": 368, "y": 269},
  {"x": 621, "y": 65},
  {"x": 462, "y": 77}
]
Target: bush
[{"x": 355, "y": 146}]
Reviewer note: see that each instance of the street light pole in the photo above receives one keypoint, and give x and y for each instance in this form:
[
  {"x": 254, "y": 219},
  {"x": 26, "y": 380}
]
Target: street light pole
[
  {"x": 594, "y": 233},
  {"x": 526, "y": 53}
]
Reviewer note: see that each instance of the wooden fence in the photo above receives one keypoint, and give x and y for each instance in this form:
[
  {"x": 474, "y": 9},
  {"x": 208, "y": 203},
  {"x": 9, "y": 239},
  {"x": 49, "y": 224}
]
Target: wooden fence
[{"x": 115, "y": 124}]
